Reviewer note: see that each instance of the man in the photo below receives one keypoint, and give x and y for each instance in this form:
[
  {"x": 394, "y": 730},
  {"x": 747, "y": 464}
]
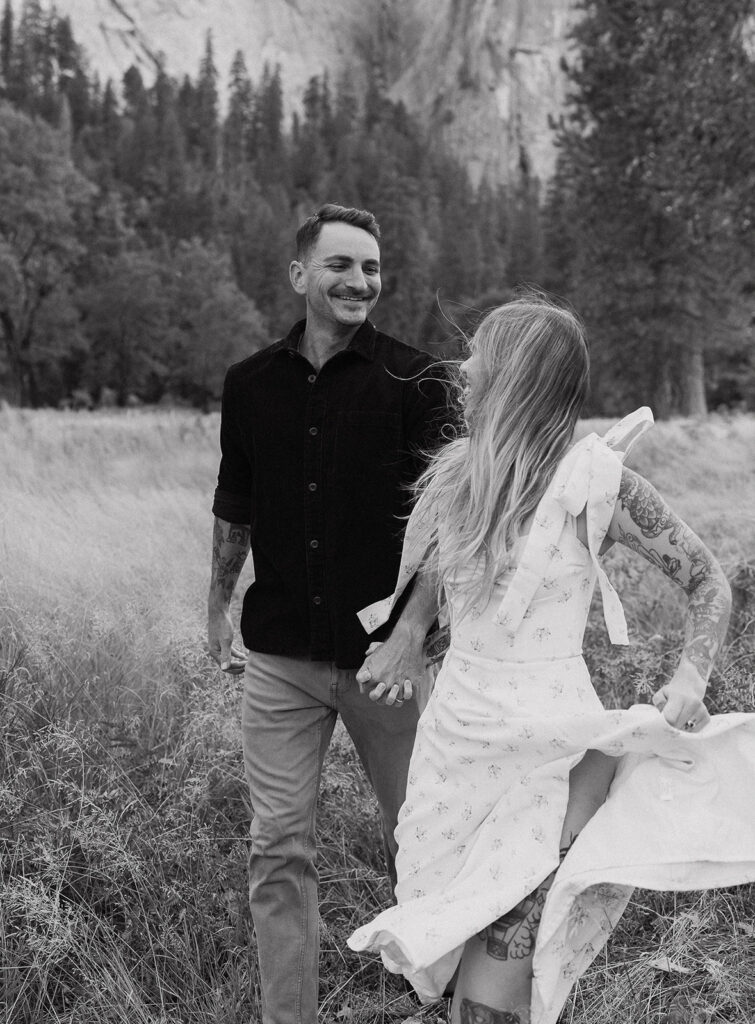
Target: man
[{"x": 320, "y": 434}]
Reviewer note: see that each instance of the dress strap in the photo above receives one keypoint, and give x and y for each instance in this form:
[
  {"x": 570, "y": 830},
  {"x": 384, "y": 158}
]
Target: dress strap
[
  {"x": 623, "y": 434},
  {"x": 588, "y": 478}
]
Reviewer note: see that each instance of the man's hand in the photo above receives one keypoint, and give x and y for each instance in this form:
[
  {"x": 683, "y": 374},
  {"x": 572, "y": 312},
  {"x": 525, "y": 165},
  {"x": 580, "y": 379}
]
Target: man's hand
[
  {"x": 392, "y": 670},
  {"x": 220, "y": 643}
]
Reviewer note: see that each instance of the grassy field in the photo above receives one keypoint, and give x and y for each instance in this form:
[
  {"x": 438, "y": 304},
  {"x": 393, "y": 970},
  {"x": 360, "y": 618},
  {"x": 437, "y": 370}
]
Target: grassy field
[{"x": 123, "y": 811}]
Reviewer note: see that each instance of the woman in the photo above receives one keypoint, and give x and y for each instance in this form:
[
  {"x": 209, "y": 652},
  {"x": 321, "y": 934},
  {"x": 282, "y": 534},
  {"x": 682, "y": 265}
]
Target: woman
[{"x": 514, "y": 753}]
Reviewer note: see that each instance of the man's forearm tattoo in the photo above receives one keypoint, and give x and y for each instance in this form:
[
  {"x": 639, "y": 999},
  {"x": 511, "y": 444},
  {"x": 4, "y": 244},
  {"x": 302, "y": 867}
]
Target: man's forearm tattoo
[
  {"x": 685, "y": 560},
  {"x": 478, "y": 1013},
  {"x": 230, "y": 546}
]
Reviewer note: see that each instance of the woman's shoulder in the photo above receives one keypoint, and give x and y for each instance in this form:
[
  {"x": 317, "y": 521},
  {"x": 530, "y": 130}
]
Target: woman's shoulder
[{"x": 595, "y": 461}]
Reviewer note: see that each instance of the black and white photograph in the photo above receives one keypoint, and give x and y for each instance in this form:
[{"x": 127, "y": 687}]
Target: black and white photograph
[{"x": 377, "y": 512}]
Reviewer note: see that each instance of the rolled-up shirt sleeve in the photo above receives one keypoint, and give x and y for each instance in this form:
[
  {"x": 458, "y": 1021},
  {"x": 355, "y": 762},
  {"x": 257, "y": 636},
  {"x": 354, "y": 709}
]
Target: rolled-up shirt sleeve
[{"x": 232, "y": 502}]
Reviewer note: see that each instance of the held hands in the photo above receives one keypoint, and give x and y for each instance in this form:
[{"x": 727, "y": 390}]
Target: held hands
[
  {"x": 392, "y": 670},
  {"x": 680, "y": 700},
  {"x": 220, "y": 645}
]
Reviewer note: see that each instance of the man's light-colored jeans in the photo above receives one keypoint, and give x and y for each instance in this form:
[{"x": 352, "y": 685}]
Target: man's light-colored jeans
[{"x": 289, "y": 711}]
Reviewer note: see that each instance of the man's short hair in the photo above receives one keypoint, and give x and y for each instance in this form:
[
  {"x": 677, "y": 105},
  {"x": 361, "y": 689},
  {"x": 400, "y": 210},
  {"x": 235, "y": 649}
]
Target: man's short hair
[{"x": 309, "y": 232}]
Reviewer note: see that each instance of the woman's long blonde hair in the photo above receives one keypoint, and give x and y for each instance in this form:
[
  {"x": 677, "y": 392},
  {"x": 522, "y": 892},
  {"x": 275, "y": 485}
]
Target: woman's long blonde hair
[{"x": 477, "y": 493}]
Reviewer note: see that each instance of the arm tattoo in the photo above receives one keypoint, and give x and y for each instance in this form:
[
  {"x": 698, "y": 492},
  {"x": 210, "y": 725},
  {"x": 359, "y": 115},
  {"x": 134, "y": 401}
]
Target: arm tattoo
[
  {"x": 230, "y": 546},
  {"x": 478, "y": 1013},
  {"x": 707, "y": 619},
  {"x": 661, "y": 537}
]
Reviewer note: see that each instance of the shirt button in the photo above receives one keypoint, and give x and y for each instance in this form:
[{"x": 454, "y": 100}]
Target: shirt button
[
  {"x": 312, "y": 378},
  {"x": 314, "y": 543},
  {"x": 314, "y": 431},
  {"x": 316, "y": 600},
  {"x": 313, "y": 487}
]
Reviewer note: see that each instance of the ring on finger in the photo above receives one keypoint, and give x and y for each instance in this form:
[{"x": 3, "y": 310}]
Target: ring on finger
[{"x": 690, "y": 724}]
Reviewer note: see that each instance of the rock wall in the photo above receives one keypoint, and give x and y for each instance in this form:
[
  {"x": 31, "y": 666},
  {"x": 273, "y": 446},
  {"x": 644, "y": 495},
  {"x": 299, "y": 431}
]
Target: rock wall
[
  {"x": 483, "y": 73},
  {"x": 486, "y": 75}
]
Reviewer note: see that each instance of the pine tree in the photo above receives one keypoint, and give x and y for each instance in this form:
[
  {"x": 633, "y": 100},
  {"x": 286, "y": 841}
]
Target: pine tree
[
  {"x": 72, "y": 76},
  {"x": 345, "y": 143},
  {"x": 30, "y": 58},
  {"x": 526, "y": 255},
  {"x": 310, "y": 162},
  {"x": 238, "y": 122},
  {"x": 169, "y": 155},
  {"x": 109, "y": 117},
  {"x": 207, "y": 109},
  {"x": 657, "y": 181},
  {"x": 270, "y": 158},
  {"x": 270, "y": 109},
  {"x": 6, "y": 48},
  {"x": 458, "y": 266},
  {"x": 406, "y": 252},
  {"x": 134, "y": 92},
  {"x": 137, "y": 150}
]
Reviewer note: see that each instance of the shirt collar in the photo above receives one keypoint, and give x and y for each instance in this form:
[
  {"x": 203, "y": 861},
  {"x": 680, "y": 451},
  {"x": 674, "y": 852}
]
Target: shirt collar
[{"x": 363, "y": 342}]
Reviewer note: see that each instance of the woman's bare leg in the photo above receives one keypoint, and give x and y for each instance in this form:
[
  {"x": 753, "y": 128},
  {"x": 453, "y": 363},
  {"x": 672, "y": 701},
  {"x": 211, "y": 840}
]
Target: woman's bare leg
[{"x": 494, "y": 985}]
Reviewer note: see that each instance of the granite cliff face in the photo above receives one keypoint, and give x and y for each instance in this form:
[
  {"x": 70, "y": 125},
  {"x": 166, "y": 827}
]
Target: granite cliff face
[
  {"x": 486, "y": 74},
  {"x": 483, "y": 73}
]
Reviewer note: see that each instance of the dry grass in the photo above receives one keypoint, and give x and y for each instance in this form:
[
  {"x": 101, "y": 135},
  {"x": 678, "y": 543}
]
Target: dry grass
[{"x": 123, "y": 809}]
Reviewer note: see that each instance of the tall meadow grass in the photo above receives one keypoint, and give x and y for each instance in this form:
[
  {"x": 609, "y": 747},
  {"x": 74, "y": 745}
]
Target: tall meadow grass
[{"x": 123, "y": 809}]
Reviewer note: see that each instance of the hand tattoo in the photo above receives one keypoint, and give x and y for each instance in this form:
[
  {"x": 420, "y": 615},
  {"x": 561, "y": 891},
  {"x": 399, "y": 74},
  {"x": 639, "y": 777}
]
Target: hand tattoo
[
  {"x": 478, "y": 1013},
  {"x": 668, "y": 543}
]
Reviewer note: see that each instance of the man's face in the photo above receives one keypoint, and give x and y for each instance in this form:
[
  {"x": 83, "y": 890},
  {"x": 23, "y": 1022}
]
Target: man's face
[{"x": 340, "y": 278}]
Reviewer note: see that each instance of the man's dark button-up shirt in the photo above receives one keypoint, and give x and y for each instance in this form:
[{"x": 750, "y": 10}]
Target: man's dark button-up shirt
[{"x": 320, "y": 465}]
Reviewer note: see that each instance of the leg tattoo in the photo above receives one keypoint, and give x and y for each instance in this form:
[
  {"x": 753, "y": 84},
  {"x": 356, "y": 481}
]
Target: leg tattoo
[
  {"x": 563, "y": 850},
  {"x": 513, "y": 934},
  {"x": 477, "y": 1013}
]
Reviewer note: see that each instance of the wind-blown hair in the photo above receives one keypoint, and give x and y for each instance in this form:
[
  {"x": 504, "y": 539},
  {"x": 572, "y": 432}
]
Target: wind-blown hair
[{"x": 531, "y": 373}]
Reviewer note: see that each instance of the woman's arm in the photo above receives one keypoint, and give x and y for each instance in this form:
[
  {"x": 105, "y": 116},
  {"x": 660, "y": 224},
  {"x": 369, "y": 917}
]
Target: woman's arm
[
  {"x": 391, "y": 669},
  {"x": 644, "y": 522}
]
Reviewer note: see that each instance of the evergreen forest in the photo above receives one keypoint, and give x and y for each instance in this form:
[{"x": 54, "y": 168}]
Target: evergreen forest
[{"x": 146, "y": 225}]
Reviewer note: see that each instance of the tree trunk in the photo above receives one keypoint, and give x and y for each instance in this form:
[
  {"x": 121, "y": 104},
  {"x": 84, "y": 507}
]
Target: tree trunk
[
  {"x": 663, "y": 391},
  {"x": 663, "y": 401},
  {"x": 30, "y": 395},
  {"x": 15, "y": 361},
  {"x": 692, "y": 380}
]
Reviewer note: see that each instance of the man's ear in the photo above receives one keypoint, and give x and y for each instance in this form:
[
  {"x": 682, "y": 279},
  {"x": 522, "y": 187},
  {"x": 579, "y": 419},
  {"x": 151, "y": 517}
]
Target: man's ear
[{"x": 296, "y": 273}]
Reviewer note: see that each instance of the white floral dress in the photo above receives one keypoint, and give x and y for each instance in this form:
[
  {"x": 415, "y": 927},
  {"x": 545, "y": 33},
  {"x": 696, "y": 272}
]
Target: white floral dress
[{"x": 513, "y": 710}]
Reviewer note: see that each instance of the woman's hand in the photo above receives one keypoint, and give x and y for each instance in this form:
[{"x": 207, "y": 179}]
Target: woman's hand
[
  {"x": 681, "y": 699},
  {"x": 392, "y": 670}
]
